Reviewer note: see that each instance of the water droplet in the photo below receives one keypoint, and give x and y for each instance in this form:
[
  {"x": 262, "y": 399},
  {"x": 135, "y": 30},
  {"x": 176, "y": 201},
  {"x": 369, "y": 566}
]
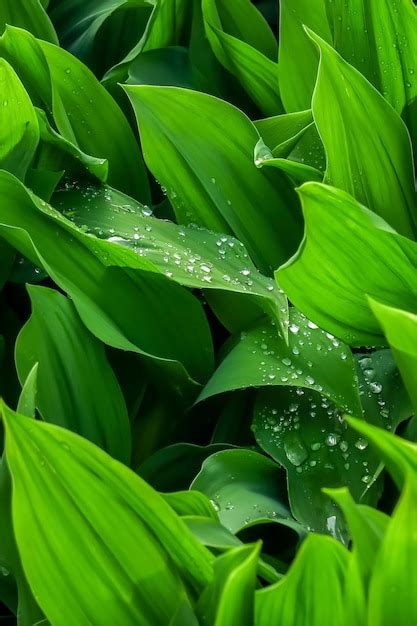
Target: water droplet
[
  {"x": 332, "y": 439},
  {"x": 215, "y": 505},
  {"x": 312, "y": 325},
  {"x": 294, "y": 449},
  {"x": 361, "y": 444},
  {"x": 294, "y": 329},
  {"x": 375, "y": 387}
]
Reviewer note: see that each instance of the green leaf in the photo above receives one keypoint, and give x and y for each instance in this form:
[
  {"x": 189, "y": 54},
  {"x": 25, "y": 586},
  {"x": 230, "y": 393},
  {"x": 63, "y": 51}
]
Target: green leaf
[
  {"x": 192, "y": 257},
  {"x": 106, "y": 289},
  {"x": 373, "y": 36},
  {"x": 312, "y": 360},
  {"x": 77, "y": 388},
  {"x": 190, "y": 503},
  {"x": 167, "y": 66},
  {"x": 84, "y": 113},
  {"x": 30, "y": 15},
  {"x": 19, "y": 134},
  {"x": 63, "y": 482},
  {"x": 391, "y": 592},
  {"x": 347, "y": 254},
  {"x": 229, "y": 598},
  {"x": 249, "y": 62},
  {"x": 298, "y": 60},
  {"x": 78, "y": 22},
  {"x": 399, "y": 455},
  {"x": 202, "y": 163},
  {"x": 311, "y": 594},
  {"x": 243, "y": 486},
  {"x": 376, "y": 168},
  {"x": 367, "y": 527},
  {"x": 282, "y": 132},
  {"x": 176, "y": 466},
  {"x": 56, "y": 152},
  {"x": 165, "y": 27},
  {"x": 27, "y": 400},
  {"x": 299, "y": 172},
  {"x": 400, "y": 329}
]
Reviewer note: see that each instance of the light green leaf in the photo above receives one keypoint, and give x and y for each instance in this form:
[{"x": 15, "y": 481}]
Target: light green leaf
[
  {"x": 282, "y": 132},
  {"x": 311, "y": 594},
  {"x": 298, "y": 60},
  {"x": 127, "y": 305},
  {"x": 190, "y": 503},
  {"x": 399, "y": 455},
  {"x": 400, "y": 329},
  {"x": 391, "y": 593},
  {"x": 55, "y": 150},
  {"x": 299, "y": 172},
  {"x": 84, "y": 113},
  {"x": 77, "y": 388},
  {"x": 202, "y": 163},
  {"x": 347, "y": 254},
  {"x": 229, "y": 598},
  {"x": 27, "y": 399},
  {"x": 30, "y": 15},
  {"x": 19, "y": 130},
  {"x": 81, "y": 558},
  {"x": 192, "y": 257},
  {"x": 375, "y": 167},
  {"x": 249, "y": 62},
  {"x": 312, "y": 360},
  {"x": 374, "y": 35},
  {"x": 243, "y": 486}
]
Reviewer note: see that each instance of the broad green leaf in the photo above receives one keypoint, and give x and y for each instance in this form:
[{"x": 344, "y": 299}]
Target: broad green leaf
[
  {"x": 127, "y": 305},
  {"x": 77, "y": 388},
  {"x": 400, "y": 329},
  {"x": 391, "y": 594},
  {"x": 202, "y": 163},
  {"x": 30, "y": 15},
  {"x": 307, "y": 434},
  {"x": 84, "y": 113},
  {"x": 243, "y": 486},
  {"x": 43, "y": 183},
  {"x": 347, "y": 254},
  {"x": 64, "y": 482},
  {"x": 377, "y": 167},
  {"x": 243, "y": 51},
  {"x": 78, "y": 22},
  {"x": 313, "y": 359},
  {"x": 56, "y": 152},
  {"x": 193, "y": 257},
  {"x": 27, "y": 400},
  {"x": 375, "y": 35},
  {"x": 229, "y": 598},
  {"x": 311, "y": 594},
  {"x": 298, "y": 60},
  {"x": 19, "y": 134},
  {"x": 281, "y": 132}
]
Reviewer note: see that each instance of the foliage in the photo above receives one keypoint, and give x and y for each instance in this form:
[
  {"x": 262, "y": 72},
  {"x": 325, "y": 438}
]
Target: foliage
[{"x": 208, "y": 319}]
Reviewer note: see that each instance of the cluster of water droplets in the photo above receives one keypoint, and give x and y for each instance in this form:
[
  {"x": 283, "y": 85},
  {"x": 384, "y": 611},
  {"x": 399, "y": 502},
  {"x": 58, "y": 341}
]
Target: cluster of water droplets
[{"x": 190, "y": 255}]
